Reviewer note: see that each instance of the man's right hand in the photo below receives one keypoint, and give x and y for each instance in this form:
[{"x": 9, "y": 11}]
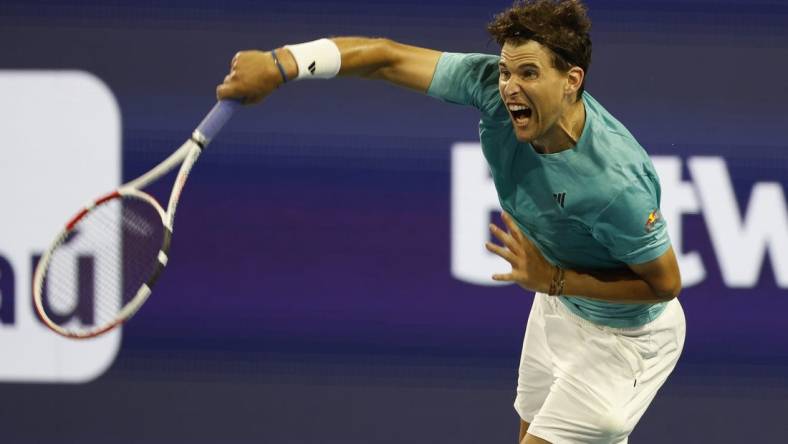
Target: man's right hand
[{"x": 253, "y": 75}]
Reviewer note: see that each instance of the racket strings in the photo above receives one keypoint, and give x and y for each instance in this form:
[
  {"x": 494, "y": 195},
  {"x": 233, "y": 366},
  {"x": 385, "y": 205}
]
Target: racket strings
[{"x": 102, "y": 263}]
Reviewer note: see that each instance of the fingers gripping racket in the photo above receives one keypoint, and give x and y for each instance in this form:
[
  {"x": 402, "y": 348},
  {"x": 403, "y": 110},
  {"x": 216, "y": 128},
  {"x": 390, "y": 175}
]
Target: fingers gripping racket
[{"x": 101, "y": 267}]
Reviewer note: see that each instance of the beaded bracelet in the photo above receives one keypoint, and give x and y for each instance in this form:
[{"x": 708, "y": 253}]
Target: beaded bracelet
[{"x": 557, "y": 282}]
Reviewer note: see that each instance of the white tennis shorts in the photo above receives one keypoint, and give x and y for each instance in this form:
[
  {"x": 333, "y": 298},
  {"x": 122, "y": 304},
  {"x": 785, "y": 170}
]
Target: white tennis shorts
[{"x": 580, "y": 382}]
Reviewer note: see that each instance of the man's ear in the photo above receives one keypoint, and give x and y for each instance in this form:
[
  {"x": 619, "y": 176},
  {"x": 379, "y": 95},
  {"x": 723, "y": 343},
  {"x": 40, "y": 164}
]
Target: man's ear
[{"x": 574, "y": 80}]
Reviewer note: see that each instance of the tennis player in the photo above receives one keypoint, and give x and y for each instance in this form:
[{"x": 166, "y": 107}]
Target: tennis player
[{"x": 581, "y": 209}]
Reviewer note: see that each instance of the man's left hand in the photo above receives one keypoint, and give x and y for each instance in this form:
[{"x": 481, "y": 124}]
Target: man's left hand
[{"x": 530, "y": 269}]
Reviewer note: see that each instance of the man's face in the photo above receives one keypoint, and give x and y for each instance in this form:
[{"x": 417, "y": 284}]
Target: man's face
[{"x": 535, "y": 93}]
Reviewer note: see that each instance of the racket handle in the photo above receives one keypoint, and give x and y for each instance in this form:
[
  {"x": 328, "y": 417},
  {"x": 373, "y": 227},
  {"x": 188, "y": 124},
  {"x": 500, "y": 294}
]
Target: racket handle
[{"x": 216, "y": 118}]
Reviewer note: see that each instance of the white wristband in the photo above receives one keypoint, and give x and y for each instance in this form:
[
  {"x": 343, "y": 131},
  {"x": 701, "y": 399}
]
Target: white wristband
[{"x": 319, "y": 59}]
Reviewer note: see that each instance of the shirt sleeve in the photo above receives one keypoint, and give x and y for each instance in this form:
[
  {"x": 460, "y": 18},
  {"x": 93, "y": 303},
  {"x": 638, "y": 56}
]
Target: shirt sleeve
[
  {"x": 632, "y": 227},
  {"x": 469, "y": 79}
]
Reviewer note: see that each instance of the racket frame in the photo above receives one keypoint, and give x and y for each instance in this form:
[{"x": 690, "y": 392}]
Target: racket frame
[{"x": 185, "y": 156}]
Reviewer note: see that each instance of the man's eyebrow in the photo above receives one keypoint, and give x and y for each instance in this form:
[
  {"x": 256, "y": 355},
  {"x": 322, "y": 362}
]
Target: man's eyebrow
[{"x": 519, "y": 66}]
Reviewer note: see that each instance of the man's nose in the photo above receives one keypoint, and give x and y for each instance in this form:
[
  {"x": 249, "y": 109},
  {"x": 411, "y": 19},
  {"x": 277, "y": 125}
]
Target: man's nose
[{"x": 510, "y": 88}]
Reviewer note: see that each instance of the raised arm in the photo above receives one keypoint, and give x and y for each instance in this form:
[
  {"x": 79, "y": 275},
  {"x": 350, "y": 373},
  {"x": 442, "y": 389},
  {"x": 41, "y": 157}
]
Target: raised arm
[{"x": 254, "y": 74}]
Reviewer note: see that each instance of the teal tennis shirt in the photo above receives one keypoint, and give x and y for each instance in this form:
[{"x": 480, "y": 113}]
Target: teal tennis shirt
[{"x": 593, "y": 206}]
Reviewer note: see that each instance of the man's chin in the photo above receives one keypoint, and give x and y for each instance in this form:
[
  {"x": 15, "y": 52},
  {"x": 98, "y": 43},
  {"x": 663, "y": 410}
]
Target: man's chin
[{"x": 523, "y": 136}]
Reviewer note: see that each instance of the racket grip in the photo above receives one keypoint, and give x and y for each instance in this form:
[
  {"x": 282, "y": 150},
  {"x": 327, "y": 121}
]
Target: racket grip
[{"x": 217, "y": 118}]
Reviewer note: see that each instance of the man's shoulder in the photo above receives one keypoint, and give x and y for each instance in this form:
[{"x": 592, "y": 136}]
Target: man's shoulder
[
  {"x": 605, "y": 125},
  {"x": 610, "y": 142},
  {"x": 469, "y": 58},
  {"x": 612, "y": 163},
  {"x": 468, "y": 79},
  {"x": 459, "y": 66}
]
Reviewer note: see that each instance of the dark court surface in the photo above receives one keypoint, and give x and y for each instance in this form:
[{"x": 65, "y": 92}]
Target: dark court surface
[{"x": 335, "y": 399}]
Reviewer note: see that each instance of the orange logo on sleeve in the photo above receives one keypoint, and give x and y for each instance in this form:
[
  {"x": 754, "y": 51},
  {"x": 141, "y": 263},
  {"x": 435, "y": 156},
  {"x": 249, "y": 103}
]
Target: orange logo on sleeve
[{"x": 653, "y": 218}]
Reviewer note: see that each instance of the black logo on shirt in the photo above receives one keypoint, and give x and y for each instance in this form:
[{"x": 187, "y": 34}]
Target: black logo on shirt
[
  {"x": 559, "y": 198},
  {"x": 312, "y": 68}
]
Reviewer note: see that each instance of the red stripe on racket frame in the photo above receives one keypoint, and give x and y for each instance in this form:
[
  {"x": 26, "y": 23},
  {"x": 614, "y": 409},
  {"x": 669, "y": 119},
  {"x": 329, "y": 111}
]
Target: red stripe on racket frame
[{"x": 81, "y": 214}]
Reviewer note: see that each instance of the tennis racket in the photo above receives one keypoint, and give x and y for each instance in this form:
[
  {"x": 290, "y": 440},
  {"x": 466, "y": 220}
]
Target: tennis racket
[{"x": 101, "y": 267}]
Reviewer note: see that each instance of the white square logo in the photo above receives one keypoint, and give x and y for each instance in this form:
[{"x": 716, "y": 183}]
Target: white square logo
[{"x": 61, "y": 147}]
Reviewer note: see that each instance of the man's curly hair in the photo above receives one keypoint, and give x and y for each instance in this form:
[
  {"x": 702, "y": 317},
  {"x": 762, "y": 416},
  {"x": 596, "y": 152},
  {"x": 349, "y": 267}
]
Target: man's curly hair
[{"x": 562, "y": 26}]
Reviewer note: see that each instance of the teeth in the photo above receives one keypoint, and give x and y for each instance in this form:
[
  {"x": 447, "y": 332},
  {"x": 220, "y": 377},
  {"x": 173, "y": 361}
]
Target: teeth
[{"x": 518, "y": 107}]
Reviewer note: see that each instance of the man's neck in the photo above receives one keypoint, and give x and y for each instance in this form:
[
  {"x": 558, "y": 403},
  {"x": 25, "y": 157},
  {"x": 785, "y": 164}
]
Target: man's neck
[{"x": 566, "y": 132}]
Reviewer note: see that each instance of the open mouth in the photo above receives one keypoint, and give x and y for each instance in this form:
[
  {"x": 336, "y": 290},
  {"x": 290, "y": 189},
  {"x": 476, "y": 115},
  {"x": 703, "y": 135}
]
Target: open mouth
[{"x": 520, "y": 113}]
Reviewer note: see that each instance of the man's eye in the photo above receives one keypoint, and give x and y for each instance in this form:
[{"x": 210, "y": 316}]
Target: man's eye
[
  {"x": 505, "y": 74},
  {"x": 530, "y": 74}
]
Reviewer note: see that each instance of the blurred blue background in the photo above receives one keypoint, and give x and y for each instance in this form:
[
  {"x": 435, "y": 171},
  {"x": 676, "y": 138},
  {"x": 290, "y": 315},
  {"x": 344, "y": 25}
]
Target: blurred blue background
[{"x": 310, "y": 299}]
